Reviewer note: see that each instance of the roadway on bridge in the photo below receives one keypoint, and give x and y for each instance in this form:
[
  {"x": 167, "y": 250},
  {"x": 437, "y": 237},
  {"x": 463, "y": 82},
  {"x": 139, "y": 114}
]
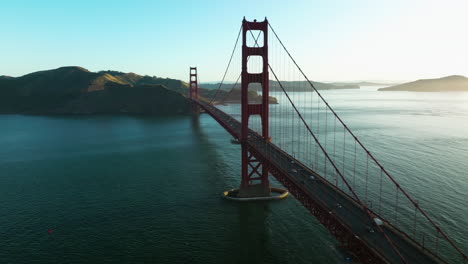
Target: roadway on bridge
[{"x": 338, "y": 203}]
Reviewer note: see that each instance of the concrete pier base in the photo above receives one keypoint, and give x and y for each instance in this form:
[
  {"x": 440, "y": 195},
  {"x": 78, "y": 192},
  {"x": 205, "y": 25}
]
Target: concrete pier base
[
  {"x": 275, "y": 194},
  {"x": 256, "y": 190}
]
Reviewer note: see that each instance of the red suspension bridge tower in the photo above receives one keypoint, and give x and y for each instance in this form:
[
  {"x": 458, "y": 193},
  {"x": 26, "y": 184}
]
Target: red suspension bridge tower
[
  {"x": 346, "y": 211},
  {"x": 254, "y": 173},
  {"x": 193, "y": 89},
  {"x": 193, "y": 84}
]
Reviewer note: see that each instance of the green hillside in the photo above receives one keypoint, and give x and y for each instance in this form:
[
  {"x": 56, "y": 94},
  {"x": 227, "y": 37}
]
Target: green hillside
[
  {"x": 75, "y": 90},
  {"x": 117, "y": 98}
]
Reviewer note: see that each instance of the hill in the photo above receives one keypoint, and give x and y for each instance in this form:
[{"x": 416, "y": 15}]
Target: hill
[
  {"x": 77, "y": 90},
  {"x": 454, "y": 83},
  {"x": 234, "y": 96},
  {"x": 116, "y": 98}
]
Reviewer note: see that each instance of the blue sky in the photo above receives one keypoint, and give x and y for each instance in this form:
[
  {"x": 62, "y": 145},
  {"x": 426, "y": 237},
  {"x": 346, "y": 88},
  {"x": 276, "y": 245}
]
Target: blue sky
[{"x": 332, "y": 40}]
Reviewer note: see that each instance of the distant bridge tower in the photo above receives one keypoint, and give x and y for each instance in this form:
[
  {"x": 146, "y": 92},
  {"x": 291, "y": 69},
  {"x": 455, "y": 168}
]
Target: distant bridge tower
[
  {"x": 254, "y": 174},
  {"x": 193, "y": 89},
  {"x": 193, "y": 84}
]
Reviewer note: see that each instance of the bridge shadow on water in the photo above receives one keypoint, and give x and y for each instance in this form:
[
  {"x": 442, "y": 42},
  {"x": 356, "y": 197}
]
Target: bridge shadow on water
[
  {"x": 211, "y": 159},
  {"x": 248, "y": 233}
]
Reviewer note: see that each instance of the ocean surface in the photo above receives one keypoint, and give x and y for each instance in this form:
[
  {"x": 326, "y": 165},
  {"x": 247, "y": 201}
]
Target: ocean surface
[{"x": 142, "y": 189}]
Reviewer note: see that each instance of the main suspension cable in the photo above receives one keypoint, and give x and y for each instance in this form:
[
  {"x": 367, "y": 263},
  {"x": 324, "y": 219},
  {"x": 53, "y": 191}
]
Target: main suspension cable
[
  {"x": 392, "y": 244},
  {"x": 229, "y": 64},
  {"x": 452, "y": 243}
]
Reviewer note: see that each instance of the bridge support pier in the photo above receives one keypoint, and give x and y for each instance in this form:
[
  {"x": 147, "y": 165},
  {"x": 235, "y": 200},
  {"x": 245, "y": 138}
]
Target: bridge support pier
[
  {"x": 255, "y": 190},
  {"x": 255, "y": 181}
]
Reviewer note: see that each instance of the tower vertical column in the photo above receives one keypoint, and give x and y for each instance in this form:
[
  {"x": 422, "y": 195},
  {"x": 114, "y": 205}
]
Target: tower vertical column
[
  {"x": 254, "y": 174},
  {"x": 193, "y": 83},
  {"x": 193, "y": 89}
]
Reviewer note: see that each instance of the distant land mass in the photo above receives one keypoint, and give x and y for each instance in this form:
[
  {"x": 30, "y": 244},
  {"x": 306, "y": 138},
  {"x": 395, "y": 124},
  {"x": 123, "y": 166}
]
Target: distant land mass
[
  {"x": 75, "y": 90},
  {"x": 297, "y": 86},
  {"x": 454, "y": 83},
  {"x": 364, "y": 83}
]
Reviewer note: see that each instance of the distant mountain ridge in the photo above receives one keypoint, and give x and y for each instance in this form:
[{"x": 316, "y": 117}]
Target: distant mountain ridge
[
  {"x": 299, "y": 86},
  {"x": 365, "y": 83},
  {"x": 74, "y": 89},
  {"x": 453, "y": 83}
]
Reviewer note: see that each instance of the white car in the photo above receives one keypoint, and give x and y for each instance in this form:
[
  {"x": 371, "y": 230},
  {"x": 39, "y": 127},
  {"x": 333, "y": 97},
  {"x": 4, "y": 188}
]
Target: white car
[{"x": 378, "y": 221}]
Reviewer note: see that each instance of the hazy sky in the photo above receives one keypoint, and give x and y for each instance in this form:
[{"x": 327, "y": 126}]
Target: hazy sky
[{"x": 331, "y": 40}]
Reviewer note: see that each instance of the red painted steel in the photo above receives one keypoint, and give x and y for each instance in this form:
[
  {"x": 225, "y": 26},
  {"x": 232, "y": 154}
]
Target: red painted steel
[
  {"x": 348, "y": 240},
  {"x": 193, "y": 83},
  {"x": 251, "y": 172},
  {"x": 369, "y": 154},
  {"x": 256, "y": 164},
  {"x": 361, "y": 249}
]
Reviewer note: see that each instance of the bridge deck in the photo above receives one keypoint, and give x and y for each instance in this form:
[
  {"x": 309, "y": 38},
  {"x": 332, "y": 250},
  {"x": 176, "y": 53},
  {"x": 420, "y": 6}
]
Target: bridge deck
[{"x": 344, "y": 208}]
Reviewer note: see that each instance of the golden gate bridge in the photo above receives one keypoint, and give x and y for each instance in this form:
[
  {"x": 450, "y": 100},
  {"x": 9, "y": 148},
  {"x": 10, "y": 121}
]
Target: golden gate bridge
[{"x": 310, "y": 150}]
